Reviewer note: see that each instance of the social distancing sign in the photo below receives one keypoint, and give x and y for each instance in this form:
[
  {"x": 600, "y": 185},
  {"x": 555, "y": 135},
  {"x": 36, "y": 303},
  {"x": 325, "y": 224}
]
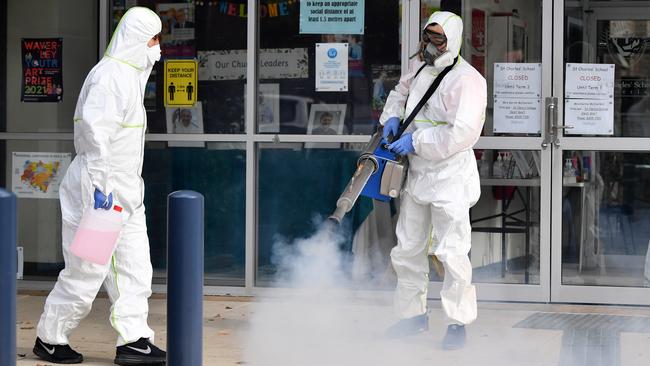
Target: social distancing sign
[{"x": 180, "y": 82}]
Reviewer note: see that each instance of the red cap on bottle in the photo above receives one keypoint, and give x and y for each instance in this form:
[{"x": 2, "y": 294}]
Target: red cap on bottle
[{"x": 117, "y": 208}]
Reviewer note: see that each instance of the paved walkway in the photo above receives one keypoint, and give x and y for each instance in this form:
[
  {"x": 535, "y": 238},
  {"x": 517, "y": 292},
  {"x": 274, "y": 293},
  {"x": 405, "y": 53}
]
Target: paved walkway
[{"x": 316, "y": 330}]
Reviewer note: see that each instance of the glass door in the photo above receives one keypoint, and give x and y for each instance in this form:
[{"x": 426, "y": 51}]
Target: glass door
[
  {"x": 601, "y": 153},
  {"x": 509, "y": 43}
]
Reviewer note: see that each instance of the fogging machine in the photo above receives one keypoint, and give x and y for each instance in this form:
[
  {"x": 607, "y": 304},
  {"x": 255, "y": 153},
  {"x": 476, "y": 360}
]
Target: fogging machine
[{"x": 381, "y": 173}]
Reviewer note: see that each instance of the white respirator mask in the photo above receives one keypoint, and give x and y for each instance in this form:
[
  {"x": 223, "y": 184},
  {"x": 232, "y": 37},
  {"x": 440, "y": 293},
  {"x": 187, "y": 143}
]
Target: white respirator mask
[{"x": 153, "y": 54}]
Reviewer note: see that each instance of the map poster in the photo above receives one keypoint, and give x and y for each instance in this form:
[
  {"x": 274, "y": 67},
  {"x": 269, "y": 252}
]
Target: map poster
[
  {"x": 42, "y": 78},
  {"x": 38, "y": 174}
]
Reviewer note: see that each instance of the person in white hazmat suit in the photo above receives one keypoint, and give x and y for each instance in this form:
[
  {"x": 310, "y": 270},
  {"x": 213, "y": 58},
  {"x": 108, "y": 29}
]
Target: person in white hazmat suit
[
  {"x": 443, "y": 181},
  {"x": 109, "y": 128}
]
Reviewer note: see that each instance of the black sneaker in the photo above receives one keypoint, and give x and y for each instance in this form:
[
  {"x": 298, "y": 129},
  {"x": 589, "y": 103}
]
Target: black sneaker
[
  {"x": 408, "y": 327},
  {"x": 454, "y": 338},
  {"x": 56, "y": 353},
  {"x": 141, "y": 352}
]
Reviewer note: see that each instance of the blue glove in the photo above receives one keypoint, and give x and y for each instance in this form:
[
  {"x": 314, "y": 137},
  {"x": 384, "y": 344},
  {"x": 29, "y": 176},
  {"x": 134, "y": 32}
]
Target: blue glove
[
  {"x": 404, "y": 145},
  {"x": 390, "y": 127},
  {"x": 101, "y": 201}
]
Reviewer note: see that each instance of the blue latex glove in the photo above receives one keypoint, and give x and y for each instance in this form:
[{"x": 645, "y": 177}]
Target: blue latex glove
[
  {"x": 404, "y": 145},
  {"x": 390, "y": 127},
  {"x": 101, "y": 201}
]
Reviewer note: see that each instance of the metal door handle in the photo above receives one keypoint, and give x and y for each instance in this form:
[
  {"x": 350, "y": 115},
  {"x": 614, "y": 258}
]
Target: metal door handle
[{"x": 551, "y": 115}]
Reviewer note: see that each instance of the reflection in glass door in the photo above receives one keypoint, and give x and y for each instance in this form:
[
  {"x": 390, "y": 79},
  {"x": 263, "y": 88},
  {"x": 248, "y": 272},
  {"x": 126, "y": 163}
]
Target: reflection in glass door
[
  {"x": 508, "y": 42},
  {"x": 603, "y": 161}
]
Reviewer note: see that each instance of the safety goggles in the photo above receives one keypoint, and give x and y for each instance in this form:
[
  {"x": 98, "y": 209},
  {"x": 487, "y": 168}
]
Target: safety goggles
[{"x": 435, "y": 38}]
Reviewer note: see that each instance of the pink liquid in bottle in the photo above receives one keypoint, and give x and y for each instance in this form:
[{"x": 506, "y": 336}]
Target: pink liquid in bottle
[{"x": 97, "y": 235}]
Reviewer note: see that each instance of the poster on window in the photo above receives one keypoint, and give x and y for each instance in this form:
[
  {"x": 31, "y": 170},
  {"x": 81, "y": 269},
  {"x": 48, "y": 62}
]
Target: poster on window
[
  {"x": 42, "y": 60},
  {"x": 275, "y": 63},
  {"x": 589, "y": 116},
  {"x": 185, "y": 120},
  {"x": 592, "y": 81},
  {"x": 331, "y": 67},
  {"x": 38, "y": 174},
  {"x": 517, "y": 115},
  {"x": 517, "y": 80},
  {"x": 334, "y": 17},
  {"x": 177, "y": 35}
]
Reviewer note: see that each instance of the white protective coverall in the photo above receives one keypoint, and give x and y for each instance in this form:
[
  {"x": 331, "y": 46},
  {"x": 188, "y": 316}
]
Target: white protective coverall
[
  {"x": 443, "y": 181},
  {"x": 109, "y": 127}
]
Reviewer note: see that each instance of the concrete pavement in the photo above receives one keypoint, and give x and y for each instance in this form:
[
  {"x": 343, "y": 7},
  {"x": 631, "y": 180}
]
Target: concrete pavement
[{"x": 504, "y": 334}]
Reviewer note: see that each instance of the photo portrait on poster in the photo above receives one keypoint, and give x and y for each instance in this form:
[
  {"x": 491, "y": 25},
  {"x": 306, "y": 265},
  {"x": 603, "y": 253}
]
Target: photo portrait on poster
[
  {"x": 177, "y": 36},
  {"x": 185, "y": 120},
  {"x": 42, "y": 60},
  {"x": 326, "y": 119}
]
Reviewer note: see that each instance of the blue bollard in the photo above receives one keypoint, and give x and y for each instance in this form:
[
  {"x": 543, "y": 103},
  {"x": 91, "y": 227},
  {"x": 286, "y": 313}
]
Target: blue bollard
[
  {"x": 185, "y": 279},
  {"x": 7, "y": 278}
]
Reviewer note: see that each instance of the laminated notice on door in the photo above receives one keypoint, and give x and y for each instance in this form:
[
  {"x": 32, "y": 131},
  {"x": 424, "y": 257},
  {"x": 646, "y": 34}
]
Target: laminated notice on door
[
  {"x": 517, "y": 115},
  {"x": 589, "y": 81},
  {"x": 589, "y": 116},
  {"x": 589, "y": 99},
  {"x": 517, "y": 98}
]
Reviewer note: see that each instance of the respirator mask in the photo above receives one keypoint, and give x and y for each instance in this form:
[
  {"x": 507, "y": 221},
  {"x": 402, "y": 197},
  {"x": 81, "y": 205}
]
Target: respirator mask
[
  {"x": 153, "y": 54},
  {"x": 430, "y": 52}
]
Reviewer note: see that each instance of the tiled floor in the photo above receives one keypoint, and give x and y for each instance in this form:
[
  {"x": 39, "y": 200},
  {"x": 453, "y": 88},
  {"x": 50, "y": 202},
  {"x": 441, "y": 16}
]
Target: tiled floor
[{"x": 325, "y": 330}]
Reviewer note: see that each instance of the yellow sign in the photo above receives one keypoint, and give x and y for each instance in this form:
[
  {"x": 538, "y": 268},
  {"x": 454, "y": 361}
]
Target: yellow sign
[{"x": 180, "y": 82}]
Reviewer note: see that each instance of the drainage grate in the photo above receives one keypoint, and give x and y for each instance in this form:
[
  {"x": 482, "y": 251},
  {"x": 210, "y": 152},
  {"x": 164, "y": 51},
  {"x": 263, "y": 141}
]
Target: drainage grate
[{"x": 588, "y": 339}]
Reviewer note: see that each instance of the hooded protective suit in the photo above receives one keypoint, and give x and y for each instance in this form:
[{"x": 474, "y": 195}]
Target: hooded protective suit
[
  {"x": 109, "y": 128},
  {"x": 443, "y": 181}
]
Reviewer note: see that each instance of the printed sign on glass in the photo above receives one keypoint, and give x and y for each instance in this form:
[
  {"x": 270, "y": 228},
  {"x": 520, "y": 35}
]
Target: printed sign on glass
[
  {"x": 42, "y": 78},
  {"x": 38, "y": 174},
  {"x": 333, "y": 17},
  {"x": 275, "y": 63},
  {"x": 331, "y": 67},
  {"x": 594, "y": 81},
  {"x": 180, "y": 82}
]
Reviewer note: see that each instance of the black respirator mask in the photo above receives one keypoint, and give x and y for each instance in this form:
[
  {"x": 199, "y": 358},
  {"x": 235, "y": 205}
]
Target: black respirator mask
[{"x": 429, "y": 46}]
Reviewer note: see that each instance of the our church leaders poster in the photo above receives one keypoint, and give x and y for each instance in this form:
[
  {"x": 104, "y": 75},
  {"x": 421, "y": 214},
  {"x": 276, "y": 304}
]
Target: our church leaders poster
[{"x": 42, "y": 78}]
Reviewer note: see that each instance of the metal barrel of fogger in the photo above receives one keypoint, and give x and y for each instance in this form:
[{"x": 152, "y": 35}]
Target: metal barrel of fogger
[{"x": 366, "y": 166}]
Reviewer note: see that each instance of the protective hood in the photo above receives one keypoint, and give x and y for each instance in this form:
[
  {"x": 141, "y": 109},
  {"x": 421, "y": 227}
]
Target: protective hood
[
  {"x": 452, "y": 24},
  {"x": 129, "y": 42}
]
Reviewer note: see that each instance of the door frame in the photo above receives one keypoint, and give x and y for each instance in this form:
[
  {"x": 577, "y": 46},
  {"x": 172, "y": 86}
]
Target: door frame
[
  {"x": 577, "y": 293},
  {"x": 502, "y": 291}
]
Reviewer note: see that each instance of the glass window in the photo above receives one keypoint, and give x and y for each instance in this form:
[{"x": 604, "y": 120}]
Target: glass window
[
  {"x": 606, "y": 218},
  {"x": 504, "y": 33},
  {"x": 213, "y": 32},
  {"x": 289, "y": 100},
  {"x": 619, "y": 37},
  {"x": 216, "y": 170},
  {"x": 75, "y": 23},
  {"x": 34, "y": 170},
  {"x": 299, "y": 184},
  {"x": 505, "y": 220}
]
